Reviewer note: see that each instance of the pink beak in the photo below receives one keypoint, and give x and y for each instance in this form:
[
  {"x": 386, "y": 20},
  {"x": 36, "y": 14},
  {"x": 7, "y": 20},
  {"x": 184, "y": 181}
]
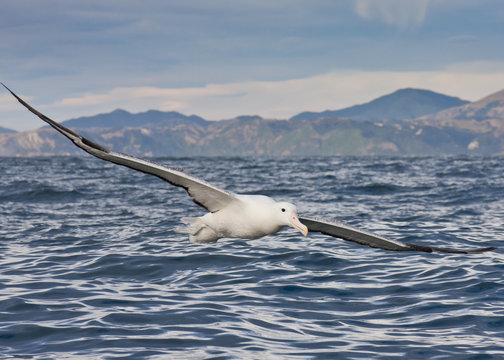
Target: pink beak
[{"x": 296, "y": 224}]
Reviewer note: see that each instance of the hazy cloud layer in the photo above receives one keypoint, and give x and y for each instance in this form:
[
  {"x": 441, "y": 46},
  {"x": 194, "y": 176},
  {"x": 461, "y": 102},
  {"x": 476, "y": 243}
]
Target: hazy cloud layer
[
  {"x": 222, "y": 59},
  {"x": 283, "y": 99},
  {"x": 404, "y": 14}
]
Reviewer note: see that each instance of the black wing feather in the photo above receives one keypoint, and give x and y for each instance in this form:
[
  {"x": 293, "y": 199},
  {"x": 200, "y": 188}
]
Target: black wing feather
[
  {"x": 343, "y": 231},
  {"x": 206, "y": 195}
]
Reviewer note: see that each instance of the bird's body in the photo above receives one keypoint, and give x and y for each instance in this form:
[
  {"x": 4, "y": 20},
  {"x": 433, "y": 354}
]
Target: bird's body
[
  {"x": 232, "y": 215},
  {"x": 247, "y": 217}
]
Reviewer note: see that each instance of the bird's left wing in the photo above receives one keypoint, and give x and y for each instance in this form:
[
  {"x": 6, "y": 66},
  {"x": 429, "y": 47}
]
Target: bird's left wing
[
  {"x": 340, "y": 230},
  {"x": 208, "y": 196}
]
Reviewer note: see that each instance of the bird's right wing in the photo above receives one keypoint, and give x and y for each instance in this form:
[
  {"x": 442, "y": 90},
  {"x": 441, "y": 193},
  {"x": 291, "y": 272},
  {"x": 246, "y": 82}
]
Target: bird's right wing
[
  {"x": 340, "y": 230},
  {"x": 206, "y": 195}
]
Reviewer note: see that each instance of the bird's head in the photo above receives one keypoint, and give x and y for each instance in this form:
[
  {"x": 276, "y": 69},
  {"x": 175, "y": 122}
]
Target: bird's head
[{"x": 287, "y": 215}]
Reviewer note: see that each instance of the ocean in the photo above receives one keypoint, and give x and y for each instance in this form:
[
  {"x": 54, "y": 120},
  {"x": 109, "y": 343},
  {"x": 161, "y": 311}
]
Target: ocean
[{"x": 90, "y": 267}]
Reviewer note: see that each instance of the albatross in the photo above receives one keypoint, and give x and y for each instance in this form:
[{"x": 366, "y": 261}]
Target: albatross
[{"x": 233, "y": 215}]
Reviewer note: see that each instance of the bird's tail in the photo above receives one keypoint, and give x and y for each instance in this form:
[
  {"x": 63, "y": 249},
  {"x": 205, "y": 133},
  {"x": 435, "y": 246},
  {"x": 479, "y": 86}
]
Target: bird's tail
[
  {"x": 198, "y": 231},
  {"x": 194, "y": 224}
]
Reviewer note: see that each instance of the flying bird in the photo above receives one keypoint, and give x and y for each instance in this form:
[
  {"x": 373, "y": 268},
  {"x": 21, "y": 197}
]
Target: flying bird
[{"x": 232, "y": 215}]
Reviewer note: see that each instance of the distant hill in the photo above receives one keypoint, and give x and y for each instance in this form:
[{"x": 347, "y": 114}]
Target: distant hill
[
  {"x": 485, "y": 115},
  {"x": 121, "y": 118},
  {"x": 6, "y": 131},
  {"x": 256, "y": 137},
  {"x": 400, "y": 105},
  {"x": 474, "y": 128},
  {"x": 248, "y": 117}
]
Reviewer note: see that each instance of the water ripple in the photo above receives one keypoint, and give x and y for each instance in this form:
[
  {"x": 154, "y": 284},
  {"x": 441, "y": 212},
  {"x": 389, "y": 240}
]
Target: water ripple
[{"x": 91, "y": 269}]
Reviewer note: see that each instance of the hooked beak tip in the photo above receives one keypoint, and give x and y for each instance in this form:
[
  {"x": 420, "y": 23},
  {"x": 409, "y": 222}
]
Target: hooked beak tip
[
  {"x": 299, "y": 226},
  {"x": 304, "y": 231}
]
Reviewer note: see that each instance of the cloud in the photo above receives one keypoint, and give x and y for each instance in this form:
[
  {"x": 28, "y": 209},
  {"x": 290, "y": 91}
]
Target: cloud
[
  {"x": 401, "y": 13},
  {"x": 147, "y": 97},
  {"x": 283, "y": 99},
  {"x": 221, "y": 59}
]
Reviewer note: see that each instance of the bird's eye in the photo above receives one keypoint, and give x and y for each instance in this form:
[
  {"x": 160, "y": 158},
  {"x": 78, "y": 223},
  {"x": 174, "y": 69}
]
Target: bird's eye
[{"x": 283, "y": 210}]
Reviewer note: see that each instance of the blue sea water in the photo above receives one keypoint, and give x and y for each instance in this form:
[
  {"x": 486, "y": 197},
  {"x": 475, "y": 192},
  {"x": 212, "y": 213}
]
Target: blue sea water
[{"x": 90, "y": 267}]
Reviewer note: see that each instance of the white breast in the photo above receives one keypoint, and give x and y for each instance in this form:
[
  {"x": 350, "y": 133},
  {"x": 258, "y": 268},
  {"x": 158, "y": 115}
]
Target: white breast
[{"x": 249, "y": 218}]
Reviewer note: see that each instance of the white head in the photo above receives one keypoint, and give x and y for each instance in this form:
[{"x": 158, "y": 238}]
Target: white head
[{"x": 286, "y": 214}]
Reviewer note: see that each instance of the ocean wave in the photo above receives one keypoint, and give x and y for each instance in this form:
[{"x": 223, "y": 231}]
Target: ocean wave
[{"x": 91, "y": 269}]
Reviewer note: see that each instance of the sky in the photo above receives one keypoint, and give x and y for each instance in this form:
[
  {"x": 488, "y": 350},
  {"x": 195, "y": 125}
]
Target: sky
[{"x": 224, "y": 58}]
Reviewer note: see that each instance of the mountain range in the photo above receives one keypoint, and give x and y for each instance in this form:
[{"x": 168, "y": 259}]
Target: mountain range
[
  {"x": 483, "y": 116},
  {"x": 406, "y": 122},
  {"x": 400, "y": 105},
  {"x": 121, "y": 118},
  {"x": 5, "y": 130}
]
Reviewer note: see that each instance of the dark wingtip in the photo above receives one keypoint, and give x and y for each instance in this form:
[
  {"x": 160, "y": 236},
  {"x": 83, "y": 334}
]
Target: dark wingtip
[
  {"x": 449, "y": 251},
  {"x": 9, "y": 90},
  {"x": 474, "y": 251},
  {"x": 482, "y": 250},
  {"x": 72, "y": 135},
  {"x": 24, "y": 103}
]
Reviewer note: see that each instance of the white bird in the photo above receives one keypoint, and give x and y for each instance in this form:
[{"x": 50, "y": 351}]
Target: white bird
[{"x": 236, "y": 216}]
